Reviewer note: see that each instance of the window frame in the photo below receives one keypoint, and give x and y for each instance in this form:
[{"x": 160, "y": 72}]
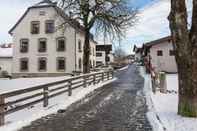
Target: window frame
[
  {"x": 39, "y": 45},
  {"x": 39, "y": 65},
  {"x": 159, "y": 52},
  {"x": 79, "y": 46},
  {"x": 32, "y": 31},
  {"x": 24, "y": 50},
  {"x": 57, "y": 44},
  {"x": 99, "y": 55},
  {"x": 21, "y": 60},
  {"x": 57, "y": 64},
  {"x": 46, "y": 27},
  {"x": 171, "y": 52}
]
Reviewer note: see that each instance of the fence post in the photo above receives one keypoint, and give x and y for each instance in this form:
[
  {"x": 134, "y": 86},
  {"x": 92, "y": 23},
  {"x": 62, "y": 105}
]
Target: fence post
[
  {"x": 103, "y": 76},
  {"x": 69, "y": 88},
  {"x": 2, "y": 109},
  {"x": 162, "y": 84},
  {"x": 94, "y": 79},
  {"x": 84, "y": 82},
  {"x": 108, "y": 75},
  {"x": 112, "y": 74},
  {"x": 46, "y": 94}
]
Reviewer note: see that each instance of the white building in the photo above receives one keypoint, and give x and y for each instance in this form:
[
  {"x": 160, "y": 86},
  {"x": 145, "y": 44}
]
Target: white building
[
  {"x": 161, "y": 55},
  {"x": 6, "y": 59},
  {"x": 41, "y": 48},
  {"x": 104, "y": 55}
]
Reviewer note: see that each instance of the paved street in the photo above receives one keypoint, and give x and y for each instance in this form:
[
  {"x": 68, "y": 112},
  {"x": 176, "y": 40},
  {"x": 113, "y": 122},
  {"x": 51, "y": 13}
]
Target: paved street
[{"x": 119, "y": 106}]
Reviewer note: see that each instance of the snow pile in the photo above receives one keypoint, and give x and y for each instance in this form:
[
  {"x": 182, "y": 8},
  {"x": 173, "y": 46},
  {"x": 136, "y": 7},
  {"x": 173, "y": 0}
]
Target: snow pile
[
  {"x": 6, "y": 52},
  {"x": 163, "y": 108},
  {"x": 26, "y": 116}
]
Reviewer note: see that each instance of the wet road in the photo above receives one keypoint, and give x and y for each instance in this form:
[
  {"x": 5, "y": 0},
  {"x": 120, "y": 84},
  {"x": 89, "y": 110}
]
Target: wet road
[{"x": 119, "y": 106}]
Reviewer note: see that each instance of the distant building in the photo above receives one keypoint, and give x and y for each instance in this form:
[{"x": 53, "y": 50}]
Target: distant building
[
  {"x": 6, "y": 58},
  {"x": 138, "y": 53},
  {"x": 41, "y": 48},
  {"x": 104, "y": 55},
  {"x": 160, "y": 54}
]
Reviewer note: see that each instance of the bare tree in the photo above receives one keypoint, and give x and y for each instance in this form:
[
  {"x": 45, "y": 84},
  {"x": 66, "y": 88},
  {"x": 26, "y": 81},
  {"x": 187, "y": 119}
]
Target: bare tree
[
  {"x": 185, "y": 45},
  {"x": 110, "y": 17}
]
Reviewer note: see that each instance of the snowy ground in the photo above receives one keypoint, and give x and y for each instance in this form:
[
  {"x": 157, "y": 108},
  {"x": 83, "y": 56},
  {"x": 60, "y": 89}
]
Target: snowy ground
[
  {"x": 21, "y": 118},
  {"x": 7, "y": 85},
  {"x": 163, "y": 108}
]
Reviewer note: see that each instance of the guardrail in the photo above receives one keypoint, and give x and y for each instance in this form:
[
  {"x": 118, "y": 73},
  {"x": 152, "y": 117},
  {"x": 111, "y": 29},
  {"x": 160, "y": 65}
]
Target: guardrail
[{"x": 42, "y": 93}]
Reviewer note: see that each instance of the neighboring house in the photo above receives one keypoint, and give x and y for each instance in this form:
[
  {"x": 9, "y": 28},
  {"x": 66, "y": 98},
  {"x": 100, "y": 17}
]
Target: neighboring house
[
  {"x": 160, "y": 53},
  {"x": 6, "y": 58},
  {"x": 48, "y": 43},
  {"x": 138, "y": 53},
  {"x": 104, "y": 55}
]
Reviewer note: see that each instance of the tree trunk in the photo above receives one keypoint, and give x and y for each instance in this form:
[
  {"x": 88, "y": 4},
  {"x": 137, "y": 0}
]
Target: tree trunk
[
  {"x": 185, "y": 45},
  {"x": 86, "y": 54}
]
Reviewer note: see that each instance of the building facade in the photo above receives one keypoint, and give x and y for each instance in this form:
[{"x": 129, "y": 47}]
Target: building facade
[
  {"x": 6, "y": 58},
  {"x": 47, "y": 42},
  {"x": 104, "y": 55},
  {"x": 161, "y": 55}
]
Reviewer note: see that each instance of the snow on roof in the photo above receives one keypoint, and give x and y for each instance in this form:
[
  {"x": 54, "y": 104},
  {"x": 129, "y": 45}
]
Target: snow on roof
[{"x": 6, "y": 52}]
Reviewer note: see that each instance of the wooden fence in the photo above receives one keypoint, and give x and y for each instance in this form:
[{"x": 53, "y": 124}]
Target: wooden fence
[{"x": 42, "y": 93}]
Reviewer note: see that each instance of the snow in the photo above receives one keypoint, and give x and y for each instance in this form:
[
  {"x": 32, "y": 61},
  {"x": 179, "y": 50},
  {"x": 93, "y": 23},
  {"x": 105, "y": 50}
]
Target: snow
[
  {"x": 163, "y": 107},
  {"x": 6, "y": 52},
  {"x": 23, "y": 83},
  {"x": 24, "y": 117},
  {"x": 123, "y": 68}
]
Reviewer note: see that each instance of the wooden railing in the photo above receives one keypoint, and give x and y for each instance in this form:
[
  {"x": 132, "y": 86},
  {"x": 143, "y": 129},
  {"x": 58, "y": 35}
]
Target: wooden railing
[{"x": 17, "y": 100}]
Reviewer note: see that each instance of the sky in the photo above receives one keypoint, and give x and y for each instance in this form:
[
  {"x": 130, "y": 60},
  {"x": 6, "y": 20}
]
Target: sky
[{"x": 152, "y": 20}]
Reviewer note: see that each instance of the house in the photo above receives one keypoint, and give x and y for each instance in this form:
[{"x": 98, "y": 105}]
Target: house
[
  {"x": 6, "y": 58},
  {"x": 138, "y": 53},
  {"x": 48, "y": 43},
  {"x": 160, "y": 54},
  {"x": 104, "y": 55}
]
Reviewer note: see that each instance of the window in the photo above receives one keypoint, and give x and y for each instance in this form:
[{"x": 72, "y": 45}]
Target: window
[
  {"x": 42, "y": 13},
  {"x": 42, "y": 64},
  {"x": 61, "y": 45},
  {"x": 24, "y": 64},
  {"x": 80, "y": 63},
  {"x": 42, "y": 47},
  {"x": 79, "y": 46},
  {"x": 172, "y": 52},
  {"x": 98, "y": 54},
  {"x": 35, "y": 27},
  {"x": 61, "y": 65},
  {"x": 159, "y": 53},
  {"x": 49, "y": 26},
  {"x": 24, "y": 43}
]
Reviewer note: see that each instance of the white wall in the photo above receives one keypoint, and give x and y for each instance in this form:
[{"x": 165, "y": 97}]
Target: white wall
[
  {"x": 23, "y": 31},
  {"x": 165, "y": 62},
  {"x": 6, "y": 64},
  {"x": 101, "y": 58}
]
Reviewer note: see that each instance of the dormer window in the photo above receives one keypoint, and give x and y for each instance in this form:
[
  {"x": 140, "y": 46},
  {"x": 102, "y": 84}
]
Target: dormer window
[
  {"x": 35, "y": 27},
  {"x": 49, "y": 26}
]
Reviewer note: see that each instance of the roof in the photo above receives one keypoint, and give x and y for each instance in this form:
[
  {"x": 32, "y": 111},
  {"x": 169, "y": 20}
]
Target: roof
[
  {"x": 47, "y": 3},
  {"x": 158, "y": 41},
  {"x": 107, "y": 48},
  {"x": 6, "y": 52}
]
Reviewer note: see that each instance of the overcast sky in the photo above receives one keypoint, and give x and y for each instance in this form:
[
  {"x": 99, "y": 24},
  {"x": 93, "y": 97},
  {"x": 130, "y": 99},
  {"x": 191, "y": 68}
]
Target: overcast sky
[{"x": 152, "y": 24}]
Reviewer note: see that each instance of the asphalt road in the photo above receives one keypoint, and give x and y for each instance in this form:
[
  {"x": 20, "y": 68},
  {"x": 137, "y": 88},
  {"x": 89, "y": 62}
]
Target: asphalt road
[{"x": 119, "y": 106}]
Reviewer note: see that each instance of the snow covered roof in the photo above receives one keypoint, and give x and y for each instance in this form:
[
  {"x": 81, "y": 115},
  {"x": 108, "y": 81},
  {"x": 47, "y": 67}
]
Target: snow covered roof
[{"x": 6, "y": 52}]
